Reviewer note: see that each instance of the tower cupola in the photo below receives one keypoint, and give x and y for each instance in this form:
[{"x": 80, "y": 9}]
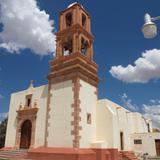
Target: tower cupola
[
  {"x": 74, "y": 47},
  {"x": 74, "y": 33}
]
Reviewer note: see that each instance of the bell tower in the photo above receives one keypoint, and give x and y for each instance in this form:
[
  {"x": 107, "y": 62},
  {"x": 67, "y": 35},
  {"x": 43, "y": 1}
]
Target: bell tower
[
  {"x": 73, "y": 83},
  {"x": 74, "y": 47},
  {"x": 74, "y": 34}
]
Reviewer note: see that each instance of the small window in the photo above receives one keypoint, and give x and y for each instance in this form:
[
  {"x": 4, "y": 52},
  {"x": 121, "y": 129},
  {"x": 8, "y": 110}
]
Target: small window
[
  {"x": 28, "y": 100},
  {"x": 68, "y": 20},
  {"x": 137, "y": 141},
  {"x": 89, "y": 118},
  {"x": 84, "y": 46},
  {"x": 148, "y": 126},
  {"x": 83, "y": 21}
]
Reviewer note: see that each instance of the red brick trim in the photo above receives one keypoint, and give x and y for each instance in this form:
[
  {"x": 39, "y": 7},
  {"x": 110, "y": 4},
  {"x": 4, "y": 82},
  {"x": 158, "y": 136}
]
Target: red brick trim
[
  {"x": 76, "y": 113},
  {"x": 48, "y": 115}
]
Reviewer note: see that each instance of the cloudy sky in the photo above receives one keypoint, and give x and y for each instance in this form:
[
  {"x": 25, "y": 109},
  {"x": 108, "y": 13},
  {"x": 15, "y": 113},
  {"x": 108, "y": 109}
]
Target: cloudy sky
[{"x": 129, "y": 65}]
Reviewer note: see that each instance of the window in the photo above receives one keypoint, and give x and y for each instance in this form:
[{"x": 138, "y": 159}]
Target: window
[
  {"x": 83, "y": 21},
  {"x": 84, "y": 46},
  {"x": 137, "y": 141},
  {"x": 68, "y": 20},
  {"x": 67, "y": 47},
  {"x": 148, "y": 126},
  {"x": 89, "y": 118},
  {"x": 28, "y": 100}
]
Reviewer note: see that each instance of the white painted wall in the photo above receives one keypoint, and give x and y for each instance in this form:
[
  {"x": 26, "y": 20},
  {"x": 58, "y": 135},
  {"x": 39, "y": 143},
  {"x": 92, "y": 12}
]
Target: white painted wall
[
  {"x": 124, "y": 127},
  {"x": 104, "y": 122},
  {"x": 108, "y": 119},
  {"x": 40, "y": 95},
  {"x": 113, "y": 119},
  {"x": 60, "y": 115},
  {"x": 139, "y": 123},
  {"x": 88, "y": 100},
  {"x": 148, "y": 143},
  {"x": 16, "y": 99}
]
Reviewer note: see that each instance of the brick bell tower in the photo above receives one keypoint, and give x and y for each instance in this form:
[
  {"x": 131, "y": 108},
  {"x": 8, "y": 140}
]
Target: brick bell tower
[
  {"x": 74, "y": 50},
  {"x": 73, "y": 80}
]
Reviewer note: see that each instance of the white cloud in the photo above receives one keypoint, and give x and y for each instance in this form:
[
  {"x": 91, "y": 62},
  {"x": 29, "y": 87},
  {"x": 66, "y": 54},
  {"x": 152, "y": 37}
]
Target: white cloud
[
  {"x": 145, "y": 68},
  {"x": 26, "y": 26},
  {"x": 3, "y": 115},
  {"x": 152, "y": 111},
  {"x": 128, "y": 104}
]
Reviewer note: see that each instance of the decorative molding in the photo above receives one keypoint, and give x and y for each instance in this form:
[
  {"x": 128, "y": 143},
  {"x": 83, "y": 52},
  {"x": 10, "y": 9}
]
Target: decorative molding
[
  {"x": 73, "y": 66},
  {"x": 47, "y": 115},
  {"x": 76, "y": 113},
  {"x": 23, "y": 114}
]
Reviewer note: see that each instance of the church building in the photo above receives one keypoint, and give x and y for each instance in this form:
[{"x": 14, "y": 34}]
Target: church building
[{"x": 65, "y": 118}]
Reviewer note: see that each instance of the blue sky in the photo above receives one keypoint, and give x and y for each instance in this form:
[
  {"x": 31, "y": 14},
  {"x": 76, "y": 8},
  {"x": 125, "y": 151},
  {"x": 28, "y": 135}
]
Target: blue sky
[{"x": 116, "y": 26}]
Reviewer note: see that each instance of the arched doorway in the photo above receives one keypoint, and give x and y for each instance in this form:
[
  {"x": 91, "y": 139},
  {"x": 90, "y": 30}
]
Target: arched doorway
[{"x": 26, "y": 130}]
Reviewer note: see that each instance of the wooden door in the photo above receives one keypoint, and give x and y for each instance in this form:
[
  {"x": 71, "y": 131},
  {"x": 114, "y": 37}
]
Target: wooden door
[
  {"x": 121, "y": 140},
  {"x": 26, "y": 134},
  {"x": 157, "y": 142}
]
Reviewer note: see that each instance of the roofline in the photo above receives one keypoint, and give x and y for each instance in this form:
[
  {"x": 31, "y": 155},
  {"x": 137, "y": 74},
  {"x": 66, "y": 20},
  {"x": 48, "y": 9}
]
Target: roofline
[{"x": 76, "y": 4}]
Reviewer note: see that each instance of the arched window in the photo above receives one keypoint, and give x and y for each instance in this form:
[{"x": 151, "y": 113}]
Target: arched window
[
  {"x": 84, "y": 46},
  {"x": 68, "y": 47},
  {"x": 83, "y": 21},
  {"x": 28, "y": 100},
  {"x": 68, "y": 19}
]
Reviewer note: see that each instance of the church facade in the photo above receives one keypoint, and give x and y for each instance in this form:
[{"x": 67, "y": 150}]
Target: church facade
[{"x": 66, "y": 112}]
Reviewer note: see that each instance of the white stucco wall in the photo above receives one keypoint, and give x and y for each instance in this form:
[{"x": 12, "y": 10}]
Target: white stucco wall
[
  {"x": 60, "y": 115},
  {"x": 88, "y": 102},
  {"x": 124, "y": 127},
  {"x": 39, "y": 94},
  {"x": 16, "y": 99},
  {"x": 139, "y": 123},
  {"x": 148, "y": 143},
  {"x": 108, "y": 119},
  {"x": 104, "y": 122},
  {"x": 113, "y": 119}
]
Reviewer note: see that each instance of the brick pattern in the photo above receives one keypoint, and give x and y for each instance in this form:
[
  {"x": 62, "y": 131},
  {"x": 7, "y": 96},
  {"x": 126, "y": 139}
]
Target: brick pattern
[
  {"x": 48, "y": 114},
  {"x": 72, "y": 66},
  {"x": 76, "y": 113}
]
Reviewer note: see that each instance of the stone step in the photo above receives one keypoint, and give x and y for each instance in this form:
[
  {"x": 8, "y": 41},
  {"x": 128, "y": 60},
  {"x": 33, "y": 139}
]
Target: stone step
[
  {"x": 129, "y": 155},
  {"x": 6, "y": 155}
]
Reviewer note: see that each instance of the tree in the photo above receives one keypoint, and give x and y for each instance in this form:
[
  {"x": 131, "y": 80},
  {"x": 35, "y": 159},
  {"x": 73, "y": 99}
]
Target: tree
[{"x": 3, "y": 127}]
